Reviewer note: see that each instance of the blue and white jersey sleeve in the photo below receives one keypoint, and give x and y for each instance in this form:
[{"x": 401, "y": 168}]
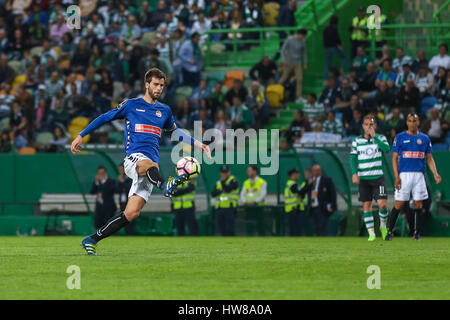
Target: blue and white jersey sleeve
[
  {"x": 118, "y": 112},
  {"x": 429, "y": 148},
  {"x": 170, "y": 121},
  {"x": 397, "y": 143}
]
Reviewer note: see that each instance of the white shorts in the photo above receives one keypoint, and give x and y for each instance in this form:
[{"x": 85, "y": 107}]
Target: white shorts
[
  {"x": 412, "y": 182},
  {"x": 140, "y": 186}
]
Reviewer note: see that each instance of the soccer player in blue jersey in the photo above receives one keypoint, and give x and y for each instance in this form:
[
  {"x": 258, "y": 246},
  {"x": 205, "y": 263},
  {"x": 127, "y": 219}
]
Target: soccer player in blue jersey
[
  {"x": 145, "y": 117},
  {"x": 411, "y": 149}
]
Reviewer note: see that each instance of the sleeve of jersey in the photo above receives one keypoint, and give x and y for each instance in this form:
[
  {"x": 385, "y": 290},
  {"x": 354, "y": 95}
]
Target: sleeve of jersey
[
  {"x": 178, "y": 133},
  {"x": 429, "y": 148},
  {"x": 382, "y": 142},
  {"x": 116, "y": 113},
  {"x": 395, "y": 146}
]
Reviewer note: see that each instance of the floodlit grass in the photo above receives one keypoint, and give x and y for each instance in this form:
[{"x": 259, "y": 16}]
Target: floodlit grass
[{"x": 225, "y": 268}]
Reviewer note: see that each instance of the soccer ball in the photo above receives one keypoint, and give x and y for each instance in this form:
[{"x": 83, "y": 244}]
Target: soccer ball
[{"x": 188, "y": 165}]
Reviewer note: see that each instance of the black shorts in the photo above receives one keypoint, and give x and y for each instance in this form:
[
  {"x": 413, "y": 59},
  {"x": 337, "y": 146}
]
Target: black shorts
[{"x": 372, "y": 189}]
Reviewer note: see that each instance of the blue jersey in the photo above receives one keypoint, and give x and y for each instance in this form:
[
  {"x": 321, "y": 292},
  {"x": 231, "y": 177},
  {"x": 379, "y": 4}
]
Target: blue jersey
[
  {"x": 144, "y": 123},
  {"x": 412, "y": 151}
]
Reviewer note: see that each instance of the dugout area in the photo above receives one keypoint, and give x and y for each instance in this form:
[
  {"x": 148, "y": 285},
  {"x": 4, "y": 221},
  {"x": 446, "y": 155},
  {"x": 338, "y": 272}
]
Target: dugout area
[{"x": 48, "y": 194}]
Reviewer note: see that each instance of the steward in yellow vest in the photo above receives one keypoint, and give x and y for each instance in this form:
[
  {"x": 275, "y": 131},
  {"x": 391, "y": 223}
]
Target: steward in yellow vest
[
  {"x": 183, "y": 206},
  {"x": 358, "y": 33},
  {"x": 378, "y": 34},
  {"x": 226, "y": 193},
  {"x": 295, "y": 202},
  {"x": 254, "y": 190}
]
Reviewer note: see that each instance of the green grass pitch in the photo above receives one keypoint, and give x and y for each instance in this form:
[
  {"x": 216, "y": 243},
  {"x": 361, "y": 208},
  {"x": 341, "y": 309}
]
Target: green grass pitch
[{"x": 225, "y": 268}]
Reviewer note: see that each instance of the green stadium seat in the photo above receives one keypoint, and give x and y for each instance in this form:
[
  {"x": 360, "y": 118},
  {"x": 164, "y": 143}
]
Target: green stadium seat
[{"x": 183, "y": 93}]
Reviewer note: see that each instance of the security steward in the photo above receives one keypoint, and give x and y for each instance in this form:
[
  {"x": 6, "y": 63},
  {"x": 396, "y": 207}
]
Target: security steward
[
  {"x": 295, "y": 201},
  {"x": 358, "y": 33},
  {"x": 254, "y": 190},
  {"x": 226, "y": 193},
  {"x": 183, "y": 206},
  {"x": 378, "y": 34}
]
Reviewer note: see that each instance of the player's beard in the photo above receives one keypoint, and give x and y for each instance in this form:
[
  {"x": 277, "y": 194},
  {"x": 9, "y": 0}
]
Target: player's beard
[{"x": 150, "y": 93}]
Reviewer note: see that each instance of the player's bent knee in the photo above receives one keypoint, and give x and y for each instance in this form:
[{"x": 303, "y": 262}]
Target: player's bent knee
[
  {"x": 143, "y": 165},
  {"x": 132, "y": 214}
]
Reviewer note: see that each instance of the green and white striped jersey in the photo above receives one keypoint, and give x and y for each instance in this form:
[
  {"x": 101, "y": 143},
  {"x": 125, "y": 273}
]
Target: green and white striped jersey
[{"x": 368, "y": 154}]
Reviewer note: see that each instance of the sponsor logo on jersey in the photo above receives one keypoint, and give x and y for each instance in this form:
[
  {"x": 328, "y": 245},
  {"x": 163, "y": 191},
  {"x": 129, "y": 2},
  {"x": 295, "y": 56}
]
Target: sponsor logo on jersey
[
  {"x": 145, "y": 128},
  {"x": 413, "y": 155},
  {"x": 406, "y": 141},
  {"x": 158, "y": 113},
  {"x": 140, "y": 110}
]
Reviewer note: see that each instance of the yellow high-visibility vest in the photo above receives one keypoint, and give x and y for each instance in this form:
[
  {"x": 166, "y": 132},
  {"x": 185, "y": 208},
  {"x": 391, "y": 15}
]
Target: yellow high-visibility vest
[
  {"x": 184, "y": 201},
  {"x": 359, "y": 34},
  {"x": 252, "y": 191},
  {"x": 379, "y": 33},
  {"x": 291, "y": 200},
  {"x": 227, "y": 200}
]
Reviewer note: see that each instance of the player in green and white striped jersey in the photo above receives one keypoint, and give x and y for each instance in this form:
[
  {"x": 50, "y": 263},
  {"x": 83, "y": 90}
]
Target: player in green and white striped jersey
[{"x": 367, "y": 171}]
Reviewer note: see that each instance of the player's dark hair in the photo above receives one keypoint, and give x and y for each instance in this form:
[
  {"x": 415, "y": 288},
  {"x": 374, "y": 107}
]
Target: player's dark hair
[
  {"x": 154, "y": 73},
  {"x": 254, "y": 167},
  {"x": 369, "y": 116},
  {"x": 101, "y": 167},
  {"x": 444, "y": 45}
]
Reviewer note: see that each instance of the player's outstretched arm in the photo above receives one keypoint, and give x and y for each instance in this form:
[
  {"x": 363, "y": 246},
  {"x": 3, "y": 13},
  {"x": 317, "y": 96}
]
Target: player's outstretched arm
[
  {"x": 432, "y": 166},
  {"x": 203, "y": 147}
]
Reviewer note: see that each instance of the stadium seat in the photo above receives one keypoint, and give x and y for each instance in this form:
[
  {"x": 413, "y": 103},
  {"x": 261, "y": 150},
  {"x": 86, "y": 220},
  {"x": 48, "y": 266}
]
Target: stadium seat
[
  {"x": 216, "y": 76},
  {"x": 182, "y": 93},
  {"x": 275, "y": 95},
  {"x": 270, "y": 13},
  {"x": 233, "y": 75},
  {"x": 64, "y": 64},
  {"x": 16, "y": 65},
  {"x": 36, "y": 51},
  {"x": 76, "y": 126},
  {"x": 217, "y": 48},
  {"x": 43, "y": 138},
  {"x": 18, "y": 80},
  {"x": 27, "y": 150},
  {"x": 57, "y": 50}
]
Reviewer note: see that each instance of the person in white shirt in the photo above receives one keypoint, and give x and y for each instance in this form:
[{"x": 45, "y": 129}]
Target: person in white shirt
[
  {"x": 440, "y": 60},
  {"x": 201, "y": 25}
]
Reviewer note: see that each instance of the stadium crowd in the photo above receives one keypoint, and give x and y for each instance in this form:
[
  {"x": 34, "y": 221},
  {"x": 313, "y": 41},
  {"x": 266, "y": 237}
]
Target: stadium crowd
[{"x": 54, "y": 79}]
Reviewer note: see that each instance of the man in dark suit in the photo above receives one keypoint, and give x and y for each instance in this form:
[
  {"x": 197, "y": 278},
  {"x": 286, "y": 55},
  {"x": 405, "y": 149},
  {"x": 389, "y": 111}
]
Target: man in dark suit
[
  {"x": 105, "y": 206},
  {"x": 322, "y": 200}
]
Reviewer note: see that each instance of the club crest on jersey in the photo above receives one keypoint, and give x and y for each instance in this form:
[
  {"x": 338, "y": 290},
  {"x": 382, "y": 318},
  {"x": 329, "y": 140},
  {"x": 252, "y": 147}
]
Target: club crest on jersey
[
  {"x": 158, "y": 113},
  {"x": 419, "y": 141}
]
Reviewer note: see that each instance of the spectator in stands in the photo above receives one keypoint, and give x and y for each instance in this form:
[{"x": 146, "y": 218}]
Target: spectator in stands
[
  {"x": 239, "y": 114},
  {"x": 384, "y": 98},
  {"x": 386, "y": 75},
  {"x": 264, "y": 71},
  {"x": 17, "y": 121},
  {"x": 395, "y": 124},
  {"x": 5, "y": 141},
  {"x": 400, "y": 60},
  {"x": 131, "y": 30},
  {"x": 58, "y": 116},
  {"x": 361, "y": 60},
  {"x": 257, "y": 103},
  {"x": 312, "y": 109},
  {"x": 219, "y": 24},
  {"x": 54, "y": 84},
  {"x": 342, "y": 105},
  {"x": 436, "y": 128},
  {"x": 201, "y": 26},
  {"x": 286, "y": 16},
  {"x": 367, "y": 83},
  {"x": 216, "y": 98},
  {"x": 221, "y": 122},
  {"x": 333, "y": 125},
  {"x": 403, "y": 76},
  {"x": 237, "y": 90},
  {"x": 3, "y": 41},
  {"x": 235, "y": 24},
  {"x": 58, "y": 29},
  {"x": 294, "y": 56},
  {"x": 329, "y": 94},
  {"x": 253, "y": 15},
  {"x": 333, "y": 45},
  {"x": 424, "y": 81},
  {"x": 158, "y": 15},
  {"x": 298, "y": 126},
  {"x": 17, "y": 45},
  {"x": 419, "y": 61},
  {"x": 408, "y": 99},
  {"x": 385, "y": 55},
  {"x": 190, "y": 55},
  {"x": 203, "y": 91},
  {"x": 145, "y": 18},
  {"x": 440, "y": 79},
  {"x": 440, "y": 60},
  {"x": 80, "y": 59},
  {"x": 59, "y": 141},
  {"x": 354, "y": 126},
  {"x": 105, "y": 205},
  {"x": 7, "y": 74}
]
